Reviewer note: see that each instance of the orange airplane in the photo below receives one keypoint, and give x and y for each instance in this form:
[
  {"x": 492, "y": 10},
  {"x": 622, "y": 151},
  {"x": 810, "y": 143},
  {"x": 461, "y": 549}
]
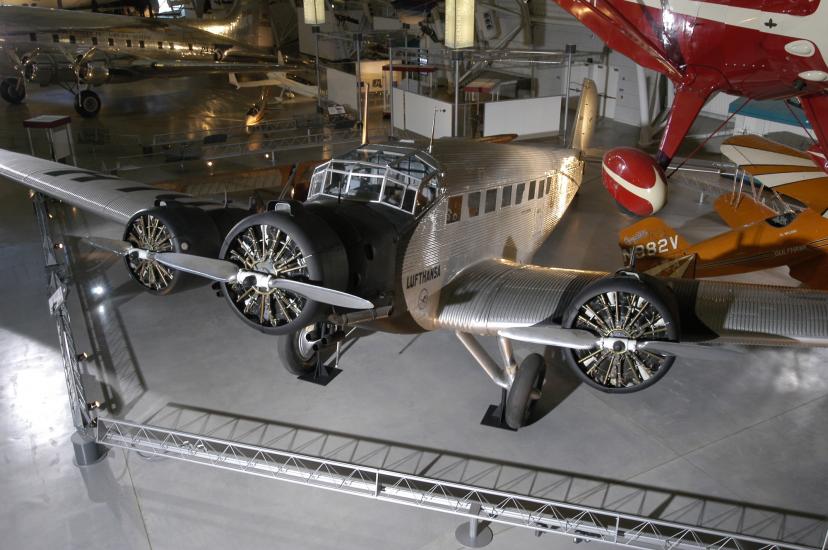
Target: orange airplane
[{"x": 777, "y": 215}]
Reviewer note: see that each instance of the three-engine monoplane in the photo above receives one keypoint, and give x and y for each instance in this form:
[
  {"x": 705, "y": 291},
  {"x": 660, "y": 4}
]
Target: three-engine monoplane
[{"x": 403, "y": 238}]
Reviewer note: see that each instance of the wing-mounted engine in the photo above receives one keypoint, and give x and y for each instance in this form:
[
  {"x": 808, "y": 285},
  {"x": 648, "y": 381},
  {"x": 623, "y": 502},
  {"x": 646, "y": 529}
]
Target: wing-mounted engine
[
  {"x": 289, "y": 244},
  {"x": 44, "y": 69},
  {"x": 622, "y": 311},
  {"x": 94, "y": 72},
  {"x": 172, "y": 228}
]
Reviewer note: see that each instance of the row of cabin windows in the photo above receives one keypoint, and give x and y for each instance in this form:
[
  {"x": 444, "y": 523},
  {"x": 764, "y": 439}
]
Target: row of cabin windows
[
  {"x": 94, "y": 40},
  {"x": 537, "y": 189}
]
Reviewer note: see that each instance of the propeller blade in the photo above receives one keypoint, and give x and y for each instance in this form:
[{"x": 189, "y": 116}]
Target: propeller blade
[
  {"x": 211, "y": 268},
  {"x": 116, "y": 246},
  {"x": 552, "y": 336},
  {"x": 688, "y": 350},
  {"x": 322, "y": 294}
]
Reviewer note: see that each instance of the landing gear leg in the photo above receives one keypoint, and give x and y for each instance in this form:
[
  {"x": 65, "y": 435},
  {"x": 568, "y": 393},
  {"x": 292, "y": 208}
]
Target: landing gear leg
[
  {"x": 322, "y": 374},
  {"x": 520, "y": 386}
]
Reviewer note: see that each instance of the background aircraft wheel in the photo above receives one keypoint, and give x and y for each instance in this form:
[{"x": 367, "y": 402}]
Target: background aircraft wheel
[
  {"x": 87, "y": 103},
  {"x": 13, "y": 90},
  {"x": 629, "y": 307},
  {"x": 296, "y": 351},
  {"x": 519, "y": 397}
]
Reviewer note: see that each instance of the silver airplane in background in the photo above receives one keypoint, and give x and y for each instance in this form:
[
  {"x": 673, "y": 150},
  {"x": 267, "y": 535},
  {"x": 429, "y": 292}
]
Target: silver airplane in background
[{"x": 79, "y": 50}]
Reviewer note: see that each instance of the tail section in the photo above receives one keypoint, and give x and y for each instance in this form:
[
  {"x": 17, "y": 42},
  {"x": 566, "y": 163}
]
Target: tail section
[
  {"x": 586, "y": 117},
  {"x": 652, "y": 242}
]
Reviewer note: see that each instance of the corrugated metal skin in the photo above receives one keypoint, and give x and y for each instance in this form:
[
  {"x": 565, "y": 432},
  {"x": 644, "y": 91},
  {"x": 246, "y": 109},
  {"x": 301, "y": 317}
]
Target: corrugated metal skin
[
  {"x": 513, "y": 233},
  {"x": 469, "y": 165},
  {"x": 757, "y": 314},
  {"x": 105, "y": 195},
  {"x": 494, "y": 294}
]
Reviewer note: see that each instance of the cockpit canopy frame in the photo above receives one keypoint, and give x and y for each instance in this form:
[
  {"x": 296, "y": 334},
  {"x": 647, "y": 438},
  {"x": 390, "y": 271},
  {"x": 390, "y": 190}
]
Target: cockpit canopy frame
[{"x": 403, "y": 178}]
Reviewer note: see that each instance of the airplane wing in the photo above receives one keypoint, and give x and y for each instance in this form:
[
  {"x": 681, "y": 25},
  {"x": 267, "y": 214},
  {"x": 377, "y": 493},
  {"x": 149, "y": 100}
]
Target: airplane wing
[
  {"x": 106, "y": 195},
  {"x": 495, "y": 295},
  {"x": 741, "y": 213},
  {"x": 790, "y": 172},
  {"x": 619, "y": 34},
  {"x": 148, "y": 68}
]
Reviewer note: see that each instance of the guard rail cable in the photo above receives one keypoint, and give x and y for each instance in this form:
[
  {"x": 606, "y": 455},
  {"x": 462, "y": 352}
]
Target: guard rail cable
[{"x": 478, "y": 503}]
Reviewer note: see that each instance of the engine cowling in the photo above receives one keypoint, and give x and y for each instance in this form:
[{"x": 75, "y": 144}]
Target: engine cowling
[
  {"x": 622, "y": 310},
  {"x": 45, "y": 72},
  {"x": 297, "y": 245},
  {"x": 635, "y": 180},
  {"x": 173, "y": 228},
  {"x": 94, "y": 73}
]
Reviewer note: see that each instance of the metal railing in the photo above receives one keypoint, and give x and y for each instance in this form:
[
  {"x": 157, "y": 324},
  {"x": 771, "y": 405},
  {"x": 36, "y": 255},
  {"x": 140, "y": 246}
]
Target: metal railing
[
  {"x": 477, "y": 502},
  {"x": 82, "y": 413}
]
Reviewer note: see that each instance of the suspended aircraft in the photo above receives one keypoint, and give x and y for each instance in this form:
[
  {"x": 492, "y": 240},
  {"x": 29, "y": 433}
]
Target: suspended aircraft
[
  {"x": 400, "y": 237},
  {"x": 78, "y": 50},
  {"x": 776, "y": 212},
  {"x": 760, "y": 50}
]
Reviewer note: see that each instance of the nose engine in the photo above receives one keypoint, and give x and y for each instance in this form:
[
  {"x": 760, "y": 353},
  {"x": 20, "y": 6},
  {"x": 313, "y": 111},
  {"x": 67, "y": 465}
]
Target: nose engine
[{"x": 291, "y": 244}]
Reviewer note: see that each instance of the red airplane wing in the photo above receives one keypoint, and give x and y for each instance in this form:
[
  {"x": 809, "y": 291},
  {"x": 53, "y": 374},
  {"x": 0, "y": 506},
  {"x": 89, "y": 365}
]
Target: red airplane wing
[{"x": 602, "y": 18}]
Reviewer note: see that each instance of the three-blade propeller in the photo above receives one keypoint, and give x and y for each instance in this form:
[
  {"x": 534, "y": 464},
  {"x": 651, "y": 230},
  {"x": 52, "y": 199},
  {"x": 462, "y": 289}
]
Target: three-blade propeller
[{"x": 573, "y": 338}]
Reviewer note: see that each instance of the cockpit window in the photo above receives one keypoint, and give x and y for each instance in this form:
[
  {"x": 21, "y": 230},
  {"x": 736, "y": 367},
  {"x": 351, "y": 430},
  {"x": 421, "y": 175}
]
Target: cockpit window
[{"x": 399, "y": 177}]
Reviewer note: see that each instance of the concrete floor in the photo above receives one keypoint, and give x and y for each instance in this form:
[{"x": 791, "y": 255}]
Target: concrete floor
[{"x": 748, "y": 435}]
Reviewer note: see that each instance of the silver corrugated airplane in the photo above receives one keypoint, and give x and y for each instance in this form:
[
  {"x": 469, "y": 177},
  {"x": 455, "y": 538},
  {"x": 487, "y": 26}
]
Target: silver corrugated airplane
[
  {"x": 400, "y": 238},
  {"x": 78, "y": 50}
]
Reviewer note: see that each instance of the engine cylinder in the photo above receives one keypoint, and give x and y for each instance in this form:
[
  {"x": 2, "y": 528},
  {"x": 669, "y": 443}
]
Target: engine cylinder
[
  {"x": 171, "y": 228},
  {"x": 297, "y": 245}
]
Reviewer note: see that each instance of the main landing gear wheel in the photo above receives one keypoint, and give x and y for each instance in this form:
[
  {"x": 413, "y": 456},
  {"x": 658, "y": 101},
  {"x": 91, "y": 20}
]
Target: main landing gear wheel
[
  {"x": 87, "y": 103},
  {"x": 623, "y": 310},
  {"x": 521, "y": 397},
  {"x": 13, "y": 90},
  {"x": 296, "y": 351}
]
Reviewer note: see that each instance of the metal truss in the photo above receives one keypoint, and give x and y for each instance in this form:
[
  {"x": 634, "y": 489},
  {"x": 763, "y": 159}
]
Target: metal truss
[
  {"x": 82, "y": 416},
  {"x": 461, "y": 499}
]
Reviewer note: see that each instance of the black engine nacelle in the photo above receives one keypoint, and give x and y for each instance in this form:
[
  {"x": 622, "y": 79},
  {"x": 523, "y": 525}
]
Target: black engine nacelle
[{"x": 171, "y": 228}]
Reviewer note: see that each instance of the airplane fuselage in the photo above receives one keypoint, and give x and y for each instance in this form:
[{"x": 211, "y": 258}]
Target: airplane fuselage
[{"x": 474, "y": 201}]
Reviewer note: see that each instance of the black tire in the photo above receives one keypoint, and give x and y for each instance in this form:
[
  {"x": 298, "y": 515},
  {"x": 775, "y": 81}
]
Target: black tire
[
  {"x": 659, "y": 308},
  {"x": 12, "y": 92},
  {"x": 87, "y": 103},
  {"x": 295, "y": 359},
  {"x": 192, "y": 232},
  {"x": 326, "y": 263},
  {"x": 519, "y": 397}
]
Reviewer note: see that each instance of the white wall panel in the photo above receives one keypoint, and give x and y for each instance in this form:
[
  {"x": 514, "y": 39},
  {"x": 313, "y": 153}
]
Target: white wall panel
[
  {"x": 523, "y": 116},
  {"x": 415, "y": 113},
  {"x": 342, "y": 88}
]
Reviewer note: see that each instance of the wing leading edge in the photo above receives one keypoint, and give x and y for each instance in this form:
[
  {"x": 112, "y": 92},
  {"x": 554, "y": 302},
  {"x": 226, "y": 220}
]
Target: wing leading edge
[{"x": 105, "y": 195}]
